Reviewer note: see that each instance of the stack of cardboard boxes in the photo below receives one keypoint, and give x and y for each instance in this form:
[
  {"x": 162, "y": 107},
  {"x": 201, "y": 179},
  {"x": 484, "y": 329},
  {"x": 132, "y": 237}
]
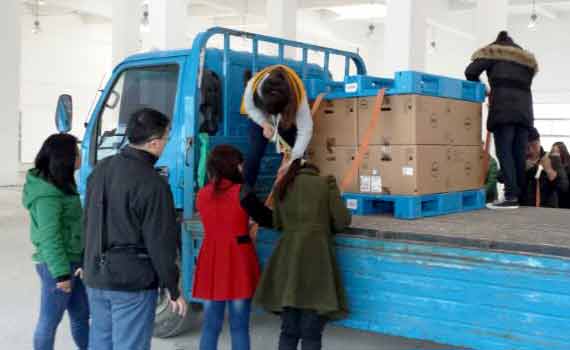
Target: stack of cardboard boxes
[{"x": 421, "y": 144}]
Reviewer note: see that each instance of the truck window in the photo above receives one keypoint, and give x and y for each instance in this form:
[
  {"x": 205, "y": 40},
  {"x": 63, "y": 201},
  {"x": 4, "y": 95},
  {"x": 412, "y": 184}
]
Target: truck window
[{"x": 153, "y": 87}]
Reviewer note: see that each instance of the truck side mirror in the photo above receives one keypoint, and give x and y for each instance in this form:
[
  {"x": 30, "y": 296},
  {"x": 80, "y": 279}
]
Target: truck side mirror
[{"x": 64, "y": 113}]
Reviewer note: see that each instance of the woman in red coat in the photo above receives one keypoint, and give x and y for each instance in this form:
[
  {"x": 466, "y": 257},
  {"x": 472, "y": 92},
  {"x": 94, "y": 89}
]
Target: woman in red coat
[{"x": 228, "y": 270}]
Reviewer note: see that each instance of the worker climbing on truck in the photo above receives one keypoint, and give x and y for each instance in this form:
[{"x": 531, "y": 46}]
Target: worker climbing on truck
[{"x": 276, "y": 102}]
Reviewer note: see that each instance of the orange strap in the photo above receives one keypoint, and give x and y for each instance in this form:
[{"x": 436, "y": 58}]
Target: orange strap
[
  {"x": 485, "y": 158},
  {"x": 351, "y": 174},
  {"x": 285, "y": 159}
]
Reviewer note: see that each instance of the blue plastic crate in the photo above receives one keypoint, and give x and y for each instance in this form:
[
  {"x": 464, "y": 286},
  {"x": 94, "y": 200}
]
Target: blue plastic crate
[
  {"x": 404, "y": 83},
  {"x": 411, "y": 82},
  {"x": 364, "y": 86},
  {"x": 415, "y": 207}
]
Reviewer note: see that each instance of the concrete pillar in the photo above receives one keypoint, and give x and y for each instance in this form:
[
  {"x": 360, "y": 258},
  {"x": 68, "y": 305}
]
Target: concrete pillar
[
  {"x": 495, "y": 13},
  {"x": 405, "y": 35},
  {"x": 10, "y": 37},
  {"x": 282, "y": 21},
  {"x": 168, "y": 24},
  {"x": 126, "y": 28}
]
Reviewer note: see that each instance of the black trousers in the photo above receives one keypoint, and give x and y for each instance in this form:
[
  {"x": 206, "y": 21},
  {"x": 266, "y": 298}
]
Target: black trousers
[
  {"x": 301, "y": 325},
  {"x": 511, "y": 144}
]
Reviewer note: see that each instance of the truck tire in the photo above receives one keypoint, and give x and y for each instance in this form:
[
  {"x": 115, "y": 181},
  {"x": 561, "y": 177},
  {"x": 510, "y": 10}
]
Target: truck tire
[{"x": 168, "y": 324}]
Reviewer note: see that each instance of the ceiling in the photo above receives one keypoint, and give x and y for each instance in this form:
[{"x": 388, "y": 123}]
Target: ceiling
[{"x": 101, "y": 10}]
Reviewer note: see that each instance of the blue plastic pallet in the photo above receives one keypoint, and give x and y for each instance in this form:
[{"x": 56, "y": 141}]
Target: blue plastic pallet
[
  {"x": 411, "y": 82},
  {"x": 415, "y": 207},
  {"x": 404, "y": 83}
]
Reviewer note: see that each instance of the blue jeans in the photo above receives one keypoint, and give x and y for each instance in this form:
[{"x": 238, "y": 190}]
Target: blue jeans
[
  {"x": 121, "y": 320},
  {"x": 257, "y": 147},
  {"x": 53, "y": 304},
  {"x": 214, "y": 319}
]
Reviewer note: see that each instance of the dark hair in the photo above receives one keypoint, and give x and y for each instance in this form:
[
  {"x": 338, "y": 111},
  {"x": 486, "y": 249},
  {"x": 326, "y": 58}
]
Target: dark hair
[
  {"x": 146, "y": 124},
  {"x": 223, "y": 164},
  {"x": 503, "y": 38},
  {"x": 55, "y": 162},
  {"x": 290, "y": 176},
  {"x": 278, "y": 97},
  {"x": 564, "y": 155},
  {"x": 533, "y": 135}
]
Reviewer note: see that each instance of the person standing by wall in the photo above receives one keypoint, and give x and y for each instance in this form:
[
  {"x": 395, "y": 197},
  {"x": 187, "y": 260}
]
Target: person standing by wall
[
  {"x": 302, "y": 281},
  {"x": 545, "y": 176},
  {"x": 50, "y": 195},
  {"x": 227, "y": 271},
  {"x": 559, "y": 149},
  {"x": 510, "y": 70},
  {"x": 131, "y": 238}
]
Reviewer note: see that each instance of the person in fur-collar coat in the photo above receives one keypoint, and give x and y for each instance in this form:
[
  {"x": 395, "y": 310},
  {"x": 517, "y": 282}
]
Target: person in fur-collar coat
[{"x": 510, "y": 70}]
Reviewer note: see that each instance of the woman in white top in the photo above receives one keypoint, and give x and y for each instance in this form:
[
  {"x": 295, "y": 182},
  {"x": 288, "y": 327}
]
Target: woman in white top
[{"x": 276, "y": 102}]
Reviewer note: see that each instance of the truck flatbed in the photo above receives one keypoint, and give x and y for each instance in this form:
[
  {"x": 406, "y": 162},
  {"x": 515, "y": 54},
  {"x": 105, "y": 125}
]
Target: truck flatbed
[{"x": 525, "y": 230}]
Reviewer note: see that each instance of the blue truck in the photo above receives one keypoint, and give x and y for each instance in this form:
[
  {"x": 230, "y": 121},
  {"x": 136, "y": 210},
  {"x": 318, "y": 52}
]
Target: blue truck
[{"x": 479, "y": 280}]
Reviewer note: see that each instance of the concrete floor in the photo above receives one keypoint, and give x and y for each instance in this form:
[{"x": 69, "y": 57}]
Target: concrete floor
[{"x": 19, "y": 297}]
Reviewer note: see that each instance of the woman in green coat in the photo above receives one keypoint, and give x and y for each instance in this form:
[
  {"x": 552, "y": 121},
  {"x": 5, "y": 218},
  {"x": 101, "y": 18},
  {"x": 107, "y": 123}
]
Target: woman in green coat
[
  {"x": 50, "y": 195},
  {"x": 302, "y": 281}
]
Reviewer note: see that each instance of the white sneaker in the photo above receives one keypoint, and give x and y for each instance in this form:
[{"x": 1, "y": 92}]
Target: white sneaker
[{"x": 504, "y": 204}]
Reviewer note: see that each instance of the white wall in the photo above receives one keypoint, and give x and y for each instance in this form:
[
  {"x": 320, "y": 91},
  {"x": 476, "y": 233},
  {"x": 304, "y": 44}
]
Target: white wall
[
  {"x": 551, "y": 45},
  {"x": 9, "y": 71},
  {"x": 68, "y": 56}
]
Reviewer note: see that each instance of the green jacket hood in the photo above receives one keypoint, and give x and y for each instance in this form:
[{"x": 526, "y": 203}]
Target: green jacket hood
[{"x": 37, "y": 187}]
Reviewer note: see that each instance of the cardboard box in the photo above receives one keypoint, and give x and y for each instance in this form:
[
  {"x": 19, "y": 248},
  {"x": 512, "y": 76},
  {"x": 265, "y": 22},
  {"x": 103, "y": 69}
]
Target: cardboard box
[
  {"x": 465, "y": 167},
  {"x": 333, "y": 160},
  {"x": 336, "y": 123},
  {"x": 465, "y": 123},
  {"x": 421, "y": 120},
  {"x": 405, "y": 120},
  {"x": 404, "y": 170}
]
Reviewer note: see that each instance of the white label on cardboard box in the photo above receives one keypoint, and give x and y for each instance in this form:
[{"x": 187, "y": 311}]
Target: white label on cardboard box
[
  {"x": 365, "y": 184},
  {"x": 350, "y": 88},
  {"x": 408, "y": 171},
  {"x": 376, "y": 184},
  {"x": 352, "y": 204}
]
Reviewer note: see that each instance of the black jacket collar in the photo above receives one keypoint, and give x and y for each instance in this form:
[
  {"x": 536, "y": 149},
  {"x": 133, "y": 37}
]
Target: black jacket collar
[{"x": 144, "y": 156}]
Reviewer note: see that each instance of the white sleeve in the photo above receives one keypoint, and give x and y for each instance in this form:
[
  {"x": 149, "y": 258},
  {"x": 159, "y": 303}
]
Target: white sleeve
[
  {"x": 304, "y": 130},
  {"x": 252, "y": 111}
]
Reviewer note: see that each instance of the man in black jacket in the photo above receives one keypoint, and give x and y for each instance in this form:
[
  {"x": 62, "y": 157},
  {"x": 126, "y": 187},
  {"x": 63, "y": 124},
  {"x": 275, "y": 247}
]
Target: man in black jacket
[
  {"x": 545, "y": 176},
  {"x": 130, "y": 239},
  {"x": 510, "y": 70}
]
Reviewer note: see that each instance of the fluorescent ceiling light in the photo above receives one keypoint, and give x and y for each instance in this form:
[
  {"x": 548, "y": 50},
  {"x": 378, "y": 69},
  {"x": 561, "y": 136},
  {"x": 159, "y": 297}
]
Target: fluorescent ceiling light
[{"x": 362, "y": 11}]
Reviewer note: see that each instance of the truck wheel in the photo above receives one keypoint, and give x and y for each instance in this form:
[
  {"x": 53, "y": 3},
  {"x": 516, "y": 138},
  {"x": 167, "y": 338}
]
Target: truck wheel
[{"x": 168, "y": 324}]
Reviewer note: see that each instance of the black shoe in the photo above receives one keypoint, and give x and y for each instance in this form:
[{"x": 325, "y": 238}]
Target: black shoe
[{"x": 504, "y": 204}]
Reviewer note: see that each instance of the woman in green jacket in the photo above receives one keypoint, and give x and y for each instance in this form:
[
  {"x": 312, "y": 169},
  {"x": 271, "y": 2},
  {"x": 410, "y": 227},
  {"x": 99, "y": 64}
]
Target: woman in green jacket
[
  {"x": 302, "y": 281},
  {"x": 50, "y": 195}
]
